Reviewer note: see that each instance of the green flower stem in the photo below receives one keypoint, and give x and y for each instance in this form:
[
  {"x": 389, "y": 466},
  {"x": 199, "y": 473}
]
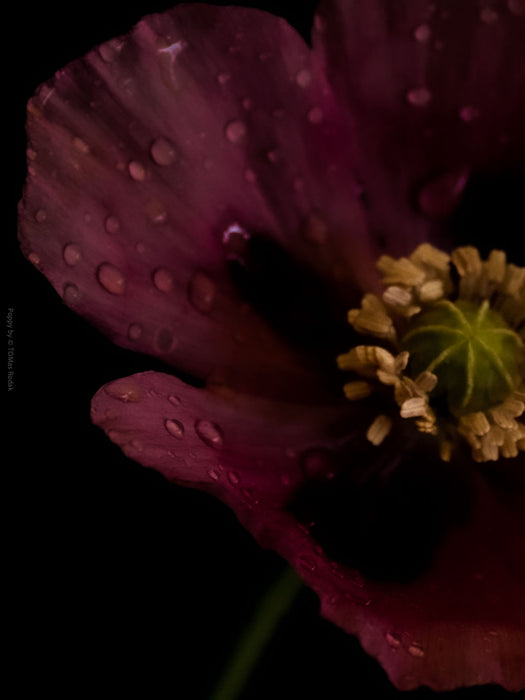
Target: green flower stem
[{"x": 255, "y": 638}]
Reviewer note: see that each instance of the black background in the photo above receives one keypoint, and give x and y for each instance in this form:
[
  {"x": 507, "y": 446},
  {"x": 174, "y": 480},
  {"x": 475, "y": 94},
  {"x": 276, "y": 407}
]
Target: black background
[{"x": 121, "y": 581}]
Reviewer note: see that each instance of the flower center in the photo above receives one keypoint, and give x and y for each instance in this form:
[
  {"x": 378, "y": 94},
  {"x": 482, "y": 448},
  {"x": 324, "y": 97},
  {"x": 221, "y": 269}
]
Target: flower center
[
  {"x": 471, "y": 350},
  {"x": 451, "y": 354}
]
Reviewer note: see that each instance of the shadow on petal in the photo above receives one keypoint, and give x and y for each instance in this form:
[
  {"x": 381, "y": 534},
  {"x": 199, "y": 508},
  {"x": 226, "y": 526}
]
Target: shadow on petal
[{"x": 387, "y": 516}]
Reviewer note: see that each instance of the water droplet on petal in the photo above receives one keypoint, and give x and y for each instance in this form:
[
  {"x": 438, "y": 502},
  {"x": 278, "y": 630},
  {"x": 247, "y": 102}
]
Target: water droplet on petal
[
  {"x": 165, "y": 340},
  {"x": 111, "y": 278},
  {"x": 516, "y": 7},
  {"x": 315, "y": 115},
  {"x": 34, "y": 258},
  {"x": 110, "y": 50},
  {"x": 223, "y": 78},
  {"x": 112, "y": 224},
  {"x": 125, "y": 390},
  {"x": 201, "y": 292},
  {"x": 134, "y": 331},
  {"x": 174, "y": 400},
  {"x": 250, "y": 176},
  {"x": 214, "y": 474},
  {"x": 307, "y": 563},
  {"x": 209, "y": 433},
  {"x": 468, "y": 113},
  {"x": 320, "y": 24},
  {"x": 488, "y": 15},
  {"x": 80, "y": 145},
  {"x": 273, "y": 155},
  {"x": 40, "y": 216},
  {"x": 174, "y": 428},
  {"x": 233, "y": 478},
  {"x": 303, "y": 78},
  {"x": 439, "y": 197},
  {"x": 416, "y": 650},
  {"x": 162, "y": 151},
  {"x": 250, "y": 496},
  {"x": 71, "y": 293},
  {"x": 137, "y": 171},
  {"x": 393, "y": 640},
  {"x": 419, "y": 97},
  {"x": 163, "y": 279},
  {"x": 72, "y": 254},
  {"x": 235, "y": 131},
  {"x": 422, "y": 33}
]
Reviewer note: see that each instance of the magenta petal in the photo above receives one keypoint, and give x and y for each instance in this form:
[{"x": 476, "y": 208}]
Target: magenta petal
[
  {"x": 460, "y": 623},
  {"x": 144, "y": 154},
  {"x": 217, "y": 441},
  {"x": 426, "y": 97}
]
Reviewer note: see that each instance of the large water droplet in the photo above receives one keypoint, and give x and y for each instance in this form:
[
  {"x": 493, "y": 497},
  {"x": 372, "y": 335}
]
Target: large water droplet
[
  {"x": 235, "y": 131},
  {"x": 163, "y": 279},
  {"x": 111, "y": 224},
  {"x": 137, "y": 171},
  {"x": 111, "y": 278},
  {"x": 201, "y": 292},
  {"x": 162, "y": 151},
  {"x": 134, "y": 331},
  {"x": 40, "y": 216},
  {"x": 174, "y": 428},
  {"x": 209, "y": 433},
  {"x": 439, "y": 197},
  {"x": 125, "y": 390},
  {"x": 72, "y": 254},
  {"x": 419, "y": 96},
  {"x": 34, "y": 258}
]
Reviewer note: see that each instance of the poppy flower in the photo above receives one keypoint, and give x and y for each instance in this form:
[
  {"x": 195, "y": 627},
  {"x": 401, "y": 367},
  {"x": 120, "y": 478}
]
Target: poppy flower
[{"x": 323, "y": 242}]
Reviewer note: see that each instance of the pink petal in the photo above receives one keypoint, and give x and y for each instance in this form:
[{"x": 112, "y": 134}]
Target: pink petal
[
  {"x": 148, "y": 152},
  {"x": 430, "y": 103},
  {"x": 216, "y": 439},
  {"x": 460, "y": 623}
]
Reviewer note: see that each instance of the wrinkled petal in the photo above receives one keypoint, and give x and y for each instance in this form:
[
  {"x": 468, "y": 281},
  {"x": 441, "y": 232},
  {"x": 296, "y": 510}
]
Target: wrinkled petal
[
  {"x": 148, "y": 155},
  {"x": 460, "y": 623},
  {"x": 430, "y": 103}
]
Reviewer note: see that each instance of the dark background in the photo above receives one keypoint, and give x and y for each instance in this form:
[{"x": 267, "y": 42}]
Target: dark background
[{"x": 121, "y": 581}]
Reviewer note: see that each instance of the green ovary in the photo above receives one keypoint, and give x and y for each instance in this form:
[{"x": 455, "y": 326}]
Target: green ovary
[{"x": 472, "y": 351}]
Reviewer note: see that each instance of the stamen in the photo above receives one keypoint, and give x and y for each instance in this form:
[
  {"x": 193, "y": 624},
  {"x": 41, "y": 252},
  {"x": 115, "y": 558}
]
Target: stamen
[
  {"x": 379, "y": 429},
  {"x": 357, "y": 390}
]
